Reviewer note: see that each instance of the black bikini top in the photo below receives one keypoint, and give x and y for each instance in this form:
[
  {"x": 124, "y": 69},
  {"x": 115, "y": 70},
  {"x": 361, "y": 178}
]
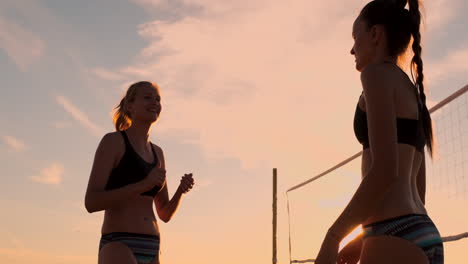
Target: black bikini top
[
  {"x": 132, "y": 168},
  {"x": 409, "y": 131}
]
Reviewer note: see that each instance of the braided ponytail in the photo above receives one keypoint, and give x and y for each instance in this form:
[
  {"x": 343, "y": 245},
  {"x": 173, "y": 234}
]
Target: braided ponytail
[
  {"x": 417, "y": 65},
  {"x": 400, "y": 25}
]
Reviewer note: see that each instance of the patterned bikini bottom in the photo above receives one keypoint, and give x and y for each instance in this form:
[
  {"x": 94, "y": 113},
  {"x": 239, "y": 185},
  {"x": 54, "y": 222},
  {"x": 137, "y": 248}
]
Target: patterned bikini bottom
[
  {"x": 144, "y": 247},
  {"x": 417, "y": 228}
]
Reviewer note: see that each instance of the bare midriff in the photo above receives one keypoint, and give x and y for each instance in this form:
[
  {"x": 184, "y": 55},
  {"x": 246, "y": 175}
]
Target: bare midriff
[
  {"x": 133, "y": 216},
  {"x": 402, "y": 198}
]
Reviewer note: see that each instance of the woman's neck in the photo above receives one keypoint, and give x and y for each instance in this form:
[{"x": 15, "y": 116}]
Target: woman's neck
[
  {"x": 139, "y": 134},
  {"x": 385, "y": 58}
]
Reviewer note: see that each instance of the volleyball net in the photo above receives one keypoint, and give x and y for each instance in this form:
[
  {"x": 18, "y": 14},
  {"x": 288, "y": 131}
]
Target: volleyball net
[{"x": 314, "y": 204}]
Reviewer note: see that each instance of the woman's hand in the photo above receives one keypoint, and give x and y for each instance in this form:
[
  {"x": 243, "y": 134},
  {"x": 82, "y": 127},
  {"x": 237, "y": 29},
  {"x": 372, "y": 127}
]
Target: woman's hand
[
  {"x": 329, "y": 250},
  {"x": 156, "y": 177},
  {"x": 351, "y": 253},
  {"x": 186, "y": 183}
]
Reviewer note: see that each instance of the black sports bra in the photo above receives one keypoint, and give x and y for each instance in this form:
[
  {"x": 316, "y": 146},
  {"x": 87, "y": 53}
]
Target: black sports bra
[
  {"x": 409, "y": 131},
  {"x": 132, "y": 168}
]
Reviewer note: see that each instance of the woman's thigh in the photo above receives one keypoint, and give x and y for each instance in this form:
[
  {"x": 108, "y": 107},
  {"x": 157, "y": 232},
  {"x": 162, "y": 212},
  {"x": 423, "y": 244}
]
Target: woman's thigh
[
  {"x": 116, "y": 253},
  {"x": 390, "y": 250}
]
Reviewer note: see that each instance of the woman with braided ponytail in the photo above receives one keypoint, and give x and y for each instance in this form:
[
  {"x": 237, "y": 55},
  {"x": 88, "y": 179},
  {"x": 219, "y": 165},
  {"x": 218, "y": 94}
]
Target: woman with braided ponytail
[
  {"x": 393, "y": 124},
  {"x": 127, "y": 177}
]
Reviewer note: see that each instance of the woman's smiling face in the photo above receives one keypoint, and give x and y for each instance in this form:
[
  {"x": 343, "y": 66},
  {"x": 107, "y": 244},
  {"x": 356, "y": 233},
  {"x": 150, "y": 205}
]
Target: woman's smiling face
[{"x": 147, "y": 104}]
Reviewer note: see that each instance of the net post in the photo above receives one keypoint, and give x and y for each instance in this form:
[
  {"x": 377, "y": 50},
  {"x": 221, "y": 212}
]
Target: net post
[{"x": 275, "y": 182}]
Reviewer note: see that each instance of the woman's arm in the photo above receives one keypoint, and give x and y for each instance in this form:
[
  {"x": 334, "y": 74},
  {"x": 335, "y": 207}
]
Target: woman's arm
[
  {"x": 421, "y": 179},
  {"x": 379, "y": 94},
  {"x": 97, "y": 198},
  {"x": 167, "y": 208},
  {"x": 164, "y": 207}
]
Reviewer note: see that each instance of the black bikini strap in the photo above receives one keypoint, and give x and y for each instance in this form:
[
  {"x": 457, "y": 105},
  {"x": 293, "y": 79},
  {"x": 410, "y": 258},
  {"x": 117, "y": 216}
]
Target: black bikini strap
[
  {"x": 127, "y": 142},
  {"x": 416, "y": 90},
  {"x": 156, "y": 160}
]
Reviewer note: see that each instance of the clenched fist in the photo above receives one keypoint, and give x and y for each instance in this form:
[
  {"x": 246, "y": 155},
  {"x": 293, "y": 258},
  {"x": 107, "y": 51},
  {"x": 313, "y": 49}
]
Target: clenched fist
[{"x": 186, "y": 183}]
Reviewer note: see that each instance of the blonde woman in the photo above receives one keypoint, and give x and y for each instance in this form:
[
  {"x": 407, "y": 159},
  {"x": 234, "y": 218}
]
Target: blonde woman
[{"x": 127, "y": 176}]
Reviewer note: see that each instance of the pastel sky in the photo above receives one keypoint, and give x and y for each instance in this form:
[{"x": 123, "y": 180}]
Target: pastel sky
[{"x": 247, "y": 86}]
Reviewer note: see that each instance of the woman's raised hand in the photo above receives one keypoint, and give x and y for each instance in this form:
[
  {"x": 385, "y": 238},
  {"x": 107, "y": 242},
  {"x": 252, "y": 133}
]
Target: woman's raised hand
[
  {"x": 156, "y": 177},
  {"x": 186, "y": 183}
]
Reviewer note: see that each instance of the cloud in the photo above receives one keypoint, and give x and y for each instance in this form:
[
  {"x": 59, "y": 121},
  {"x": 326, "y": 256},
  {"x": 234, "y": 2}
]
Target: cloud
[
  {"x": 61, "y": 124},
  {"x": 439, "y": 13},
  {"x": 267, "y": 82},
  {"x": 153, "y": 3},
  {"x": 14, "y": 143},
  {"x": 247, "y": 80},
  {"x": 79, "y": 116},
  {"x": 107, "y": 75},
  {"x": 52, "y": 174},
  {"x": 234, "y": 70},
  {"x": 453, "y": 63},
  {"x": 22, "y": 46}
]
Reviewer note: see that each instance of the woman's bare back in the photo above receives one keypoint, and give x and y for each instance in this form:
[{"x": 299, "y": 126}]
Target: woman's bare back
[{"x": 403, "y": 197}]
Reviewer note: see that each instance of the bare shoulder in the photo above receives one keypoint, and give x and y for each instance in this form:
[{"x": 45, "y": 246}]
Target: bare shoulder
[
  {"x": 112, "y": 145},
  {"x": 379, "y": 80},
  {"x": 111, "y": 136},
  {"x": 377, "y": 71},
  {"x": 108, "y": 153},
  {"x": 112, "y": 141}
]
